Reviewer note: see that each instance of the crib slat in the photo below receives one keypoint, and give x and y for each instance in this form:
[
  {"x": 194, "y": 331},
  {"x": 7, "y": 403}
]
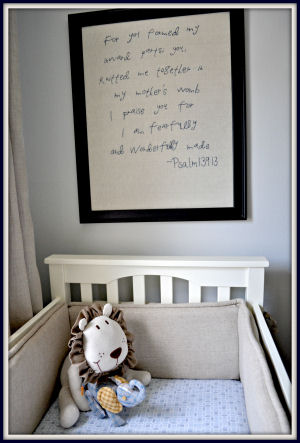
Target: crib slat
[
  {"x": 139, "y": 295},
  {"x": 223, "y": 293},
  {"x": 166, "y": 289},
  {"x": 194, "y": 293},
  {"x": 86, "y": 292},
  {"x": 112, "y": 292}
]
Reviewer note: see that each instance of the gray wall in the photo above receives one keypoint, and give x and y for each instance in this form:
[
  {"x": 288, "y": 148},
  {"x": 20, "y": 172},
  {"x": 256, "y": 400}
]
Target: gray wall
[{"x": 49, "y": 142}]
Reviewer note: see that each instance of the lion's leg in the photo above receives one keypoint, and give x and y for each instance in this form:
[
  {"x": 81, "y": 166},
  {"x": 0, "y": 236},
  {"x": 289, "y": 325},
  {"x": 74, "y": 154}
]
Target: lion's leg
[
  {"x": 75, "y": 388},
  {"x": 69, "y": 412}
]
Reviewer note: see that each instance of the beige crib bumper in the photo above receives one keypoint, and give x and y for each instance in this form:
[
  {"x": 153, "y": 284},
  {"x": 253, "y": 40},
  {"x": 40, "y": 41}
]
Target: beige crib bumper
[
  {"x": 205, "y": 340},
  {"x": 33, "y": 369}
]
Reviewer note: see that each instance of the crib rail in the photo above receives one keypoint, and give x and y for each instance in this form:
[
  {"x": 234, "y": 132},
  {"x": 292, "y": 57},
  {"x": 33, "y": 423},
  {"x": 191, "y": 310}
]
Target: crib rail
[
  {"x": 274, "y": 356},
  {"x": 17, "y": 336},
  {"x": 221, "y": 272}
]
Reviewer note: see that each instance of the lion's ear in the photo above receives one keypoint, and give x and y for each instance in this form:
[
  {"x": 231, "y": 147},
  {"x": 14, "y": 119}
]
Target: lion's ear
[
  {"x": 82, "y": 324},
  {"x": 107, "y": 309}
]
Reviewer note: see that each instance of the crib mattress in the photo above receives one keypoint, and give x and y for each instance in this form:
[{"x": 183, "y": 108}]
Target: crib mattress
[{"x": 170, "y": 407}]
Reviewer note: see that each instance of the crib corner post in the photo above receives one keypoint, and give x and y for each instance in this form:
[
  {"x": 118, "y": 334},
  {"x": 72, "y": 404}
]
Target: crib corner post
[
  {"x": 59, "y": 287},
  {"x": 255, "y": 286}
]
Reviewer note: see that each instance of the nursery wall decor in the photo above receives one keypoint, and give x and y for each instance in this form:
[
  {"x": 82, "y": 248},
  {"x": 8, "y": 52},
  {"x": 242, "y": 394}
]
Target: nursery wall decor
[{"x": 159, "y": 114}]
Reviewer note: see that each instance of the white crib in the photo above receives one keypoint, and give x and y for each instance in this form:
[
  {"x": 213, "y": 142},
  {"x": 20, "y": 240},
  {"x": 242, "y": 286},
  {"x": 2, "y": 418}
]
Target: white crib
[{"x": 223, "y": 273}]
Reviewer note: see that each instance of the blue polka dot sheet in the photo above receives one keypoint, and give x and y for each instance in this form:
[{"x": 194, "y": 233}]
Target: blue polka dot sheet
[{"x": 171, "y": 406}]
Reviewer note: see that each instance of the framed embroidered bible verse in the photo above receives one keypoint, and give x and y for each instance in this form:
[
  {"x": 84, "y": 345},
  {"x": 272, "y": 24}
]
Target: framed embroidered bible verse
[{"x": 159, "y": 114}]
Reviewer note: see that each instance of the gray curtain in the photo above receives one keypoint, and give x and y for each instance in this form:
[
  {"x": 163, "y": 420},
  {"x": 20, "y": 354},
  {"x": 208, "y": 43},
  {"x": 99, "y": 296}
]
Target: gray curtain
[{"x": 25, "y": 294}]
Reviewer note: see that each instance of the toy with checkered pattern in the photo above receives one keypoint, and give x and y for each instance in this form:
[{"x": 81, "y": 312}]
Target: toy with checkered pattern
[{"x": 109, "y": 400}]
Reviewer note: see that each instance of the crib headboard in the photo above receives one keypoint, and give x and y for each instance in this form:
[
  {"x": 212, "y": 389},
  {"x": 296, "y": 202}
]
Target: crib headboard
[{"x": 221, "y": 272}]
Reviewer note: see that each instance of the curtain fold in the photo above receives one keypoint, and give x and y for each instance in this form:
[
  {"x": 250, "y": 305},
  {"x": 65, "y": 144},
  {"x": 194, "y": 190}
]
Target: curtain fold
[{"x": 25, "y": 293}]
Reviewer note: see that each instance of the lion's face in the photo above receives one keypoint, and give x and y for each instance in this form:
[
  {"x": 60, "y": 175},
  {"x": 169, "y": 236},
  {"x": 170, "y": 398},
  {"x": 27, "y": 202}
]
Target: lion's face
[
  {"x": 100, "y": 343},
  {"x": 104, "y": 344}
]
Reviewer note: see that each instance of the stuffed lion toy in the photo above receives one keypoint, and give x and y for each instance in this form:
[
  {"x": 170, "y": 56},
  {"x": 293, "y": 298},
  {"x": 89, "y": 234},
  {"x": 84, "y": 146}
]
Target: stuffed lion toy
[{"x": 101, "y": 355}]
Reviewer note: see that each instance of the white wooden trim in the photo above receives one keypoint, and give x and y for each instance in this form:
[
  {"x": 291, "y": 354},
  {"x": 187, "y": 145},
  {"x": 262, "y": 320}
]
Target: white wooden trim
[
  {"x": 23, "y": 330},
  {"x": 86, "y": 291},
  {"x": 194, "y": 293},
  {"x": 223, "y": 293},
  {"x": 98, "y": 274},
  {"x": 270, "y": 346},
  {"x": 176, "y": 261},
  {"x": 166, "y": 289},
  {"x": 112, "y": 291},
  {"x": 139, "y": 294}
]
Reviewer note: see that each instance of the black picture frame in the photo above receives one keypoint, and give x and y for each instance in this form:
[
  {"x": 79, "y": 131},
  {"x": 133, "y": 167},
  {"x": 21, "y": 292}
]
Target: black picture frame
[{"x": 239, "y": 210}]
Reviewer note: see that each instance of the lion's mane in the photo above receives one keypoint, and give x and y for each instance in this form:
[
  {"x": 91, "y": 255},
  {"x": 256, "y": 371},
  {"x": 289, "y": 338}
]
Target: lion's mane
[{"x": 76, "y": 344}]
